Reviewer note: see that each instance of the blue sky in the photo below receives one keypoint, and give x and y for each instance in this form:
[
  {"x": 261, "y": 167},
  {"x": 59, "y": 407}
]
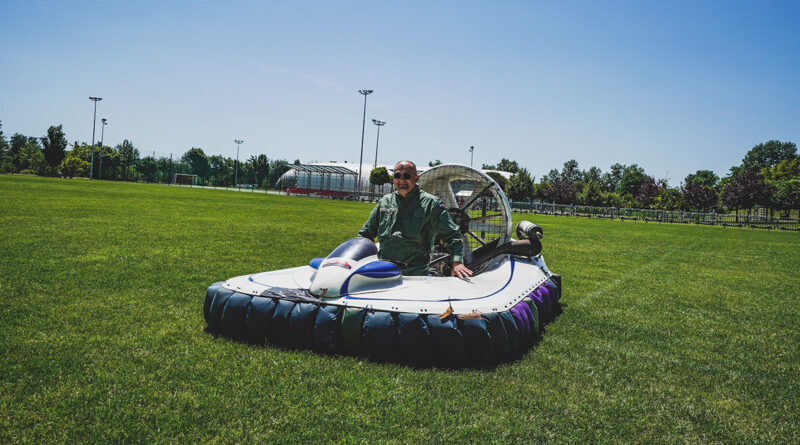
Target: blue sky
[{"x": 672, "y": 86}]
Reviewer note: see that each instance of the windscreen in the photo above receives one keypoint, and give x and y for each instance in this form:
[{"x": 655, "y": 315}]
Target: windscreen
[{"x": 355, "y": 249}]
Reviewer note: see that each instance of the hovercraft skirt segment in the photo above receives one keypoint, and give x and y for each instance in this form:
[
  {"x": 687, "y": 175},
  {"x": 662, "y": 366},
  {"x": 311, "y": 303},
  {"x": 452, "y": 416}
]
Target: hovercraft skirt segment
[{"x": 421, "y": 339}]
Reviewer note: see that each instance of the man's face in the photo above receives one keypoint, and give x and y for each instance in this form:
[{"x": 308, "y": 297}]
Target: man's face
[{"x": 407, "y": 179}]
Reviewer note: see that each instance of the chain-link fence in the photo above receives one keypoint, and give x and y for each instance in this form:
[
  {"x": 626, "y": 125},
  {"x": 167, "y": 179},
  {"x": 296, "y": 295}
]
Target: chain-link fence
[{"x": 755, "y": 221}]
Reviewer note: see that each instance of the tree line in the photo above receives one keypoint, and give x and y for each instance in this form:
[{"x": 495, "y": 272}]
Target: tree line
[
  {"x": 768, "y": 177},
  {"x": 52, "y": 155}
]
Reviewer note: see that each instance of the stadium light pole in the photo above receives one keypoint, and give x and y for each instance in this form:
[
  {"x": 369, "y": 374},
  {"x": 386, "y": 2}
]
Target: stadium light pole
[
  {"x": 471, "y": 149},
  {"x": 377, "y": 140},
  {"x": 363, "y": 123},
  {"x": 236, "y": 175},
  {"x": 94, "y": 121},
  {"x": 102, "y": 134}
]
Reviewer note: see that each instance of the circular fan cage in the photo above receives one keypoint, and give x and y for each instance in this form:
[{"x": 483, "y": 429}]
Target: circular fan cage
[{"x": 477, "y": 205}]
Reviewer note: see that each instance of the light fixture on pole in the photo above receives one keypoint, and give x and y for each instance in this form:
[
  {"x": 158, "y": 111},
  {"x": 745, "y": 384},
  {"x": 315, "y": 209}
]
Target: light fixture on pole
[
  {"x": 94, "y": 121},
  {"x": 102, "y": 134},
  {"x": 236, "y": 175},
  {"x": 377, "y": 140},
  {"x": 471, "y": 149},
  {"x": 363, "y": 123}
]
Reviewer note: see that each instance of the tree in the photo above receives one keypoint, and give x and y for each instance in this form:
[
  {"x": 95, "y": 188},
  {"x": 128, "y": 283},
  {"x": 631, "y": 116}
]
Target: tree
[
  {"x": 520, "y": 185},
  {"x": 632, "y": 179},
  {"x": 277, "y": 168},
  {"x": 499, "y": 179},
  {"x": 570, "y": 171},
  {"x": 260, "y": 169},
  {"x": 746, "y": 190},
  {"x": 646, "y": 194},
  {"x": 31, "y": 158},
  {"x": 592, "y": 175},
  {"x": 5, "y": 154},
  {"x": 612, "y": 179},
  {"x": 702, "y": 177},
  {"x": 769, "y": 154},
  {"x": 434, "y": 163},
  {"x": 591, "y": 195},
  {"x": 107, "y": 162},
  {"x": 508, "y": 166},
  {"x": 561, "y": 191},
  {"x": 16, "y": 144},
  {"x": 221, "y": 171},
  {"x": 128, "y": 157},
  {"x": 148, "y": 169},
  {"x": 787, "y": 195},
  {"x": 379, "y": 176},
  {"x": 786, "y": 169},
  {"x": 669, "y": 198},
  {"x": 699, "y": 196},
  {"x": 54, "y": 144},
  {"x": 504, "y": 165},
  {"x": 73, "y": 166},
  {"x": 198, "y": 162},
  {"x": 551, "y": 176}
]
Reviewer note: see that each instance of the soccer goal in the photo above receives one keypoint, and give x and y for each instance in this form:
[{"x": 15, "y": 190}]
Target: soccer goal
[{"x": 184, "y": 179}]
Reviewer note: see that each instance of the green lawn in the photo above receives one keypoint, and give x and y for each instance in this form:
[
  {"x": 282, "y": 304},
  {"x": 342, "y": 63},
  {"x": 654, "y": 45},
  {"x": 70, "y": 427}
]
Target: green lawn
[{"x": 670, "y": 333}]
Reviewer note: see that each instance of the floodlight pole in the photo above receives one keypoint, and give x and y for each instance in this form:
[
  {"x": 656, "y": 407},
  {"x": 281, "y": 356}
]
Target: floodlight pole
[
  {"x": 379, "y": 124},
  {"x": 236, "y": 175},
  {"x": 363, "y": 123},
  {"x": 471, "y": 149},
  {"x": 94, "y": 121},
  {"x": 102, "y": 134}
]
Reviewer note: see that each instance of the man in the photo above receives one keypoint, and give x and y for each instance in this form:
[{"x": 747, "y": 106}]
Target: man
[{"x": 406, "y": 223}]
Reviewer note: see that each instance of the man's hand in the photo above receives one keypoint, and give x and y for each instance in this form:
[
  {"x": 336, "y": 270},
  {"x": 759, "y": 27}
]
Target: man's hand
[{"x": 460, "y": 271}]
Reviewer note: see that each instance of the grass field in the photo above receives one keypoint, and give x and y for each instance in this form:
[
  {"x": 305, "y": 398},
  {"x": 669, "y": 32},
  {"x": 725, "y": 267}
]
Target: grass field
[{"x": 669, "y": 333}]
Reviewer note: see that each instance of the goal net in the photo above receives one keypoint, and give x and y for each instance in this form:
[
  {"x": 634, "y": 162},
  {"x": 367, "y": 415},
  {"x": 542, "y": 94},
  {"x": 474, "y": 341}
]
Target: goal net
[{"x": 184, "y": 179}]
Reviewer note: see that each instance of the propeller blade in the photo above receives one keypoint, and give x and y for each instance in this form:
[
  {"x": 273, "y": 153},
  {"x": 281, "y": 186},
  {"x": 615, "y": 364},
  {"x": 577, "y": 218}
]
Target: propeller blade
[
  {"x": 483, "y": 243},
  {"x": 475, "y": 197}
]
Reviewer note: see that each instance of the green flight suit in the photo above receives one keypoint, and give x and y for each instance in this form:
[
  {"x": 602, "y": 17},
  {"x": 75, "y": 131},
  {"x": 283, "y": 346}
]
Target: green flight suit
[{"x": 406, "y": 228}]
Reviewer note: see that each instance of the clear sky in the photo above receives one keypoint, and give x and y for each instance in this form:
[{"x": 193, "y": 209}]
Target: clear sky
[{"x": 672, "y": 86}]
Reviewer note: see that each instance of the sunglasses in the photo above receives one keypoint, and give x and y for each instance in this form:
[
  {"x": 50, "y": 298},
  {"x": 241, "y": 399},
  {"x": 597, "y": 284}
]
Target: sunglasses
[{"x": 405, "y": 175}]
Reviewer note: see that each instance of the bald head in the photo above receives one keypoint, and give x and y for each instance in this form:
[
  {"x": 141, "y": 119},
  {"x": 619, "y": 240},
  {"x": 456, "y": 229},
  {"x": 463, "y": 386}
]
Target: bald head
[
  {"x": 405, "y": 177},
  {"x": 407, "y": 166}
]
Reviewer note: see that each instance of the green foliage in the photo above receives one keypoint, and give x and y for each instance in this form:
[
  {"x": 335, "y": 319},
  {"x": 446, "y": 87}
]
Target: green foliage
[
  {"x": 73, "y": 166},
  {"x": 612, "y": 179},
  {"x": 505, "y": 165},
  {"x": 148, "y": 168},
  {"x": 705, "y": 178},
  {"x": 379, "y": 176},
  {"x": 434, "y": 163},
  {"x": 128, "y": 156},
  {"x": 499, "y": 179},
  {"x": 277, "y": 168},
  {"x": 591, "y": 195},
  {"x": 769, "y": 154},
  {"x": 103, "y": 335},
  {"x": 198, "y": 162},
  {"x": 31, "y": 158},
  {"x": 260, "y": 166},
  {"x": 787, "y": 195},
  {"x": 570, "y": 171},
  {"x": 786, "y": 169},
  {"x": 594, "y": 174},
  {"x": 632, "y": 179},
  {"x": 520, "y": 185},
  {"x": 55, "y": 144}
]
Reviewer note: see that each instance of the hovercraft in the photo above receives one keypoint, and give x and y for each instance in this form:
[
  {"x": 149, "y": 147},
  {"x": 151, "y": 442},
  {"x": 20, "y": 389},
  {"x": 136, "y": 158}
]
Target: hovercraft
[{"x": 352, "y": 302}]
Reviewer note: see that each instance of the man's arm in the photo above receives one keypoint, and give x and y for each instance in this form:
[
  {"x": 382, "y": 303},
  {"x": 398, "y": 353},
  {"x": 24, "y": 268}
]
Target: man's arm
[
  {"x": 370, "y": 228},
  {"x": 451, "y": 238}
]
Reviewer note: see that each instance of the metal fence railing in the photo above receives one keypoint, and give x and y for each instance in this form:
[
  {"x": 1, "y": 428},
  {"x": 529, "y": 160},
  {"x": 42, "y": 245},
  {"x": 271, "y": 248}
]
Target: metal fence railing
[{"x": 754, "y": 221}]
